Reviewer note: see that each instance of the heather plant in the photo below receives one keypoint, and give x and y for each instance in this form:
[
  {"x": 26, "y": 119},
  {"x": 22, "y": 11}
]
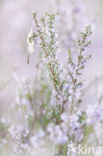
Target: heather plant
[
  {"x": 19, "y": 120},
  {"x": 50, "y": 113},
  {"x": 28, "y": 120},
  {"x": 65, "y": 116}
]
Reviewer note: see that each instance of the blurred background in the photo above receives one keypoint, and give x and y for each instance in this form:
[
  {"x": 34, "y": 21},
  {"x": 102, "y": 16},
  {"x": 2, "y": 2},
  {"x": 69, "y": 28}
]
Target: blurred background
[{"x": 15, "y": 23}]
